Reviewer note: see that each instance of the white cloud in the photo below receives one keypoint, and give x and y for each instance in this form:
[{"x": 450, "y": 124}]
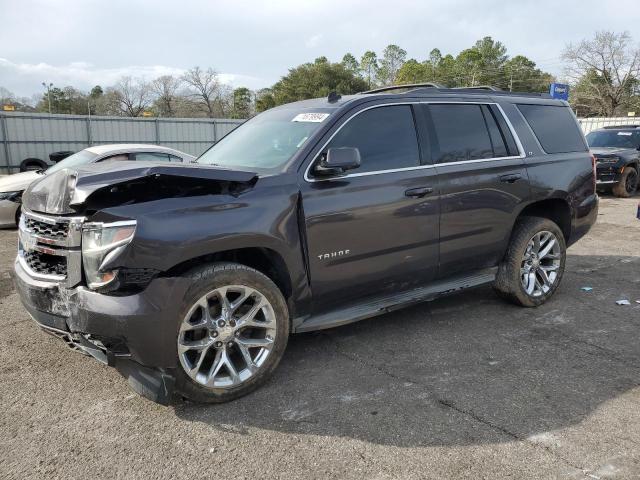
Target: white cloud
[
  {"x": 313, "y": 41},
  {"x": 26, "y": 78}
]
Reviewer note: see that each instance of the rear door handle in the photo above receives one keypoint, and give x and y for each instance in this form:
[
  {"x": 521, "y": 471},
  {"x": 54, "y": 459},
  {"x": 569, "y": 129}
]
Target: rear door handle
[
  {"x": 510, "y": 178},
  {"x": 418, "y": 192}
]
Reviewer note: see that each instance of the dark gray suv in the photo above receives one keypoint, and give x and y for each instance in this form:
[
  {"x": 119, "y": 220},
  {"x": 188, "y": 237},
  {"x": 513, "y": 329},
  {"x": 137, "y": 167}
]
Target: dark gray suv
[{"x": 189, "y": 279}]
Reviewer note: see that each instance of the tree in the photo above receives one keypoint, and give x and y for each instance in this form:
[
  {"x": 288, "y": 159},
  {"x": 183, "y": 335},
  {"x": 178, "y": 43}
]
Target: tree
[
  {"x": 265, "y": 100},
  {"x": 606, "y": 69},
  {"x": 412, "y": 72},
  {"x": 129, "y": 97},
  {"x": 392, "y": 59},
  {"x": 350, "y": 63},
  {"x": 521, "y": 74},
  {"x": 207, "y": 90},
  {"x": 317, "y": 79},
  {"x": 165, "y": 89},
  {"x": 369, "y": 66},
  {"x": 241, "y": 103}
]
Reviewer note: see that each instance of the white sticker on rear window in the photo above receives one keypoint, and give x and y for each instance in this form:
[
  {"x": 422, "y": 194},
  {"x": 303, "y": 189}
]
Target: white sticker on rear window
[
  {"x": 626, "y": 134},
  {"x": 310, "y": 117}
]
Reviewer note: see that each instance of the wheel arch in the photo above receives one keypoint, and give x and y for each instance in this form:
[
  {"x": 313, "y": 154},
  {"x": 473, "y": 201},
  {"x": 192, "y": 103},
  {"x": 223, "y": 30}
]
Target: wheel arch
[
  {"x": 265, "y": 260},
  {"x": 555, "y": 209}
]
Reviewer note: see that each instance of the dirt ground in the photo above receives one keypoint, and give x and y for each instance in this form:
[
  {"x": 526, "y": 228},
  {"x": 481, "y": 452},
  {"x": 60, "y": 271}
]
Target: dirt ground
[{"x": 463, "y": 387}]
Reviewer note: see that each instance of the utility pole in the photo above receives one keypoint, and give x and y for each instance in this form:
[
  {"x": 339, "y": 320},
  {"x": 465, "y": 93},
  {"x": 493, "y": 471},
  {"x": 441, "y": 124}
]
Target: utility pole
[{"x": 48, "y": 87}]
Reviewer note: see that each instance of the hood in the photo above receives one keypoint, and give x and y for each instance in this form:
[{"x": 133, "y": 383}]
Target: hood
[
  {"x": 18, "y": 181},
  {"x": 606, "y": 151},
  {"x": 130, "y": 182}
]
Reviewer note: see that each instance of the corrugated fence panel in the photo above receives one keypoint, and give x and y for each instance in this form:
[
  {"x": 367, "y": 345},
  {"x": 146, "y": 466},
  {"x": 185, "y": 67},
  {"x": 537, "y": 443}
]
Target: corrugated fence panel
[
  {"x": 593, "y": 123},
  {"x": 123, "y": 131},
  {"x": 31, "y": 135}
]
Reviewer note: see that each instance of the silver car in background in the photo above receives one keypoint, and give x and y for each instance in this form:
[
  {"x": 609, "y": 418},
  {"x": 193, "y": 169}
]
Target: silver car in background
[{"x": 12, "y": 186}]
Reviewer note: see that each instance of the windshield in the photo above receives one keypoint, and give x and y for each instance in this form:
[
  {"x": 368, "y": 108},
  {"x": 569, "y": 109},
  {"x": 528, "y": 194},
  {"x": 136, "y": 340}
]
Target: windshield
[
  {"x": 80, "y": 158},
  {"x": 614, "y": 138},
  {"x": 268, "y": 140}
]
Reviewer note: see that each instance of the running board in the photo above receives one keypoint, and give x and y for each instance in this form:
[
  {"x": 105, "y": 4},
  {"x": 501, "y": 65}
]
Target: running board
[{"x": 388, "y": 303}]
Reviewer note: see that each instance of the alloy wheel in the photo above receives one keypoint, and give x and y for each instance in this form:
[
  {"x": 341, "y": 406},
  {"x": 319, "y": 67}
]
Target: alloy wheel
[
  {"x": 226, "y": 336},
  {"x": 540, "y": 264}
]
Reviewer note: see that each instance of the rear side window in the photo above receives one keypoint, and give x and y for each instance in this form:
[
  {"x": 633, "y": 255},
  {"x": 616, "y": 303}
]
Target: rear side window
[
  {"x": 554, "y": 127},
  {"x": 385, "y": 136},
  {"x": 461, "y": 133}
]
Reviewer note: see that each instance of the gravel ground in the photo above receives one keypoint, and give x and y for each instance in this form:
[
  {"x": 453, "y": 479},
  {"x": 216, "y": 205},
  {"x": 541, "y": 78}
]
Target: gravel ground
[{"x": 463, "y": 387}]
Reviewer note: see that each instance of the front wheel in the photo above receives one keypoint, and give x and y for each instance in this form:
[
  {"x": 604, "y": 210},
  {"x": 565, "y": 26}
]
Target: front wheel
[
  {"x": 232, "y": 335},
  {"x": 628, "y": 183},
  {"x": 534, "y": 263}
]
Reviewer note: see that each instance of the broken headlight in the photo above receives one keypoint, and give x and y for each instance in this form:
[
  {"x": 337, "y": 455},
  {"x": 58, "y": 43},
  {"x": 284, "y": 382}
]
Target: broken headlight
[{"x": 102, "y": 243}]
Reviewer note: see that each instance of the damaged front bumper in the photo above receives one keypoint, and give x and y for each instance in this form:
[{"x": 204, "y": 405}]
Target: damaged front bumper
[{"x": 136, "y": 334}]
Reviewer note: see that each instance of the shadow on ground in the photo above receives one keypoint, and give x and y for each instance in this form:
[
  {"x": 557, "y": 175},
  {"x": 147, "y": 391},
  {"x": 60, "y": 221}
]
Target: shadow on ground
[{"x": 463, "y": 370}]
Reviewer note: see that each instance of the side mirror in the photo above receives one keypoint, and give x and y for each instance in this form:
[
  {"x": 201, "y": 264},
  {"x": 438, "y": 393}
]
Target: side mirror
[{"x": 338, "y": 160}]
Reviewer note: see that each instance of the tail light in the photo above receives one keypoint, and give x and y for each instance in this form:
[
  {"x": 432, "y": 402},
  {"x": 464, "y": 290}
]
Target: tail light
[{"x": 593, "y": 165}]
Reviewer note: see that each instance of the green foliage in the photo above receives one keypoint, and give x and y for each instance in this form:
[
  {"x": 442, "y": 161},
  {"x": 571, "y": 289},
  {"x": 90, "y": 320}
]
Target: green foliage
[
  {"x": 393, "y": 57},
  {"x": 312, "y": 80},
  {"x": 350, "y": 63},
  {"x": 241, "y": 103},
  {"x": 369, "y": 67},
  {"x": 485, "y": 63}
]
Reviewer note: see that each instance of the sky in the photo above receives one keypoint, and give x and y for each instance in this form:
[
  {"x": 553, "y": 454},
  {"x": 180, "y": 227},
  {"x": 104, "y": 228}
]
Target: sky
[{"x": 88, "y": 42}]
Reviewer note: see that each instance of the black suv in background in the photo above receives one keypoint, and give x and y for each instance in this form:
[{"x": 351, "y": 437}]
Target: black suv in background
[
  {"x": 617, "y": 152},
  {"x": 189, "y": 279}
]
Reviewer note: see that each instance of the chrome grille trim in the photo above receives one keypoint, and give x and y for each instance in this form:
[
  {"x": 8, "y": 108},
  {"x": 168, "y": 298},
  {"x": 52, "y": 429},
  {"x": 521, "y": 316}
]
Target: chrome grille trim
[{"x": 54, "y": 236}]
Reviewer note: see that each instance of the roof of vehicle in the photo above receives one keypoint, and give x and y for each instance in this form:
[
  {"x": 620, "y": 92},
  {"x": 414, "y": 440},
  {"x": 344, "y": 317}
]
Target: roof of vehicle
[
  {"x": 620, "y": 127},
  {"x": 134, "y": 147},
  {"x": 487, "y": 93}
]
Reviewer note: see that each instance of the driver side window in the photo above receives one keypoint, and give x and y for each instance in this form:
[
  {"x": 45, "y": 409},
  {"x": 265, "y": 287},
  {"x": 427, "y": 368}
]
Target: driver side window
[{"x": 386, "y": 137}]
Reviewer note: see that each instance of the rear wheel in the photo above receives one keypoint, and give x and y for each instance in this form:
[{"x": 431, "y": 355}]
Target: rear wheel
[
  {"x": 628, "y": 183},
  {"x": 534, "y": 263},
  {"x": 18, "y": 213},
  {"x": 232, "y": 334}
]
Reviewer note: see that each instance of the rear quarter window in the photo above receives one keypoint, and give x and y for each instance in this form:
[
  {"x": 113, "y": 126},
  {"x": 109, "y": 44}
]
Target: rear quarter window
[{"x": 554, "y": 127}]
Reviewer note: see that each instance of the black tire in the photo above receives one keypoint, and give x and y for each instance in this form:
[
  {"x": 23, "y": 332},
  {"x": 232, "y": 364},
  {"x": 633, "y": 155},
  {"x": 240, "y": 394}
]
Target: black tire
[
  {"x": 508, "y": 283},
  {"x": 18, "y": 213},
  {"x": 628, "y": 183},
  {"x": 215, "y": 276},
  {"x": 29, "y": 164}
]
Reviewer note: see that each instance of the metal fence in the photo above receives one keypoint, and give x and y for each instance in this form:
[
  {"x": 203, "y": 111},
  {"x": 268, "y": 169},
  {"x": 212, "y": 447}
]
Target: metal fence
[
  {"x": 593, "y": 123},
  {"x": 29, "y": 135}
]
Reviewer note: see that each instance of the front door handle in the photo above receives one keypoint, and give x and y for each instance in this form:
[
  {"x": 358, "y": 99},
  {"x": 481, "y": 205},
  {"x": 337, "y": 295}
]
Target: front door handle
[
  {"x": 510, "y": 178},
  {"x": 418, "y": 192}
]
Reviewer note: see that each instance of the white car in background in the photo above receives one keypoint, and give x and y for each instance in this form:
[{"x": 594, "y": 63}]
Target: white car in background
[{"x": 12, "y": 186}]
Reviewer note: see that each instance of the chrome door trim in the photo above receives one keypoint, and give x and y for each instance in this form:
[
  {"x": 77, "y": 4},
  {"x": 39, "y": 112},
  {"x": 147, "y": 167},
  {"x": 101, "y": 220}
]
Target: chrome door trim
[{"x": 521, "y": 155}]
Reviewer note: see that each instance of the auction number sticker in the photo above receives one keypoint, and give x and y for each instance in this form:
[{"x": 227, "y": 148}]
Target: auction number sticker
[
  {"x": 310, "y": 117},
  {"x": 625, "y": 134}
]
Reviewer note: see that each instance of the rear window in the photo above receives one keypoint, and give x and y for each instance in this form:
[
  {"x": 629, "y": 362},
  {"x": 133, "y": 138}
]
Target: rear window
[{"x": 554, "y": 127}]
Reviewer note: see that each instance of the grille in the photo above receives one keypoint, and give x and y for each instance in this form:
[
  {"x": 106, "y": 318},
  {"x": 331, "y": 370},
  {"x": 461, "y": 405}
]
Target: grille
[
  {"x": 46, "y": 264},
  {"x": 58, "y": 231}
]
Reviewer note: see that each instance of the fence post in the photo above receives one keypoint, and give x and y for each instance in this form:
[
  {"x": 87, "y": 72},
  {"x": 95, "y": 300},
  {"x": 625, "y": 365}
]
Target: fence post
[
  {"x": 89, "y": 139},
  {"x": 157, "y": 131},
  {"x": 5, "y": 142},
  {"x": 215, "y": 132}
]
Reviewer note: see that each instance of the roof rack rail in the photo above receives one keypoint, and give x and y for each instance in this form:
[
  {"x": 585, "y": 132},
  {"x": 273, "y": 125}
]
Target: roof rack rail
[
  {"x": 622, "y": 126},
  {"x": 399, "y": 87},
  {"x": 479, "y": 87}
]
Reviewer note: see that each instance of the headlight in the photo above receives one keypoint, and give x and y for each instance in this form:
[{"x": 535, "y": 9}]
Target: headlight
[
  {"x": 101, "y": 243},
  {"x": 9, "y": 195}
]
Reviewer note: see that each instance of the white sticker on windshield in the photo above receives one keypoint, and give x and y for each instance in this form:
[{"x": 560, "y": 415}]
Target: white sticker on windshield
[
  {"x": 310, "y": 117},
  {"x": 626, "y": 134}
]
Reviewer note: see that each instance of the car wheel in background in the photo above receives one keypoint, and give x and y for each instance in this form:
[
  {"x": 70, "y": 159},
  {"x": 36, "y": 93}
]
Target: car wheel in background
[
  {"x": 534, "y": 263},
  {"x": 29, "y": 164},
  {"x": 628, "y": 183}
]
